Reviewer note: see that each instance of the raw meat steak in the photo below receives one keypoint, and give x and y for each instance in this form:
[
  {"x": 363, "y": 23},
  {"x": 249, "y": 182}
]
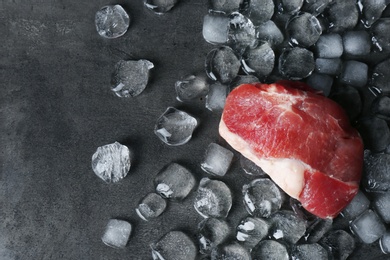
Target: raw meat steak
[{"x": 300, "y": 138}]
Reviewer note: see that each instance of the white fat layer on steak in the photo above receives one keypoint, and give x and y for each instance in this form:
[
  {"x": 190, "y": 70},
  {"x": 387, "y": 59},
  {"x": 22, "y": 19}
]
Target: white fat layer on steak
[{"x": 287, "y": 173}]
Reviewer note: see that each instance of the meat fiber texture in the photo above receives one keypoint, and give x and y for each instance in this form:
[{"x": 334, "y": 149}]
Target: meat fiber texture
[{"x": 300, "y": 138}]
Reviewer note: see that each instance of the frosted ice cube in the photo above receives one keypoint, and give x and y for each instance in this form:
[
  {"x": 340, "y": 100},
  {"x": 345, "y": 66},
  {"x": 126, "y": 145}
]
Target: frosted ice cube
[
  {"x": 356, "y": 43},
  {"x": 216, "y": 28},
  {"x": 382, "y": 205},
  {"x": 358, "y": 205},
  {"x": 270, "y": 249},
  {"x": 315, "y": 7},
  {"x": 286, "y": 225},
  {"x": 303, "y": 29},
  {"x": 215, "y": 99},
  {"x": 242, "y": 33},
  {"x": 191, "y": 87},
  {"x": 211, "y": 233},
  {"x": 111, "y": 162},
  {"x": 343, "y": 15},
  {"x": 291, "y": 6},
  {"x": 222, "y": 64},
  {"x": 270, "y": 32},
  {"x": 384, "y": 242},
  {"x": 217, "y": 160},
  {"x": 320, "y": 82},
  {"x": 309, "y": 252},
  {"x": 250, "y": 168},
  {"x": 175, "y": 127},
  {"x": 151, "y": 206},
  {"x": 117, "y": 233},
  {"x": 375, "y": 133},
  {"x": 328, "y": 66},
  {"x": 259, "y": 61},
  {"x": 251, "y": 231},
  {"x": 348, "y": 98},
  {"x": 296, "y": 63},
  {"x": 329, "y": 46},
  {"x": 354, "y": 73},
  {"x": 213, "y": 199},
  {"x": 174, "y": 245},
  {"x": 262, "y": 197},
  {"x": 372, "y": 10},
  {"x": 340, "y": 243},
  {"x": 259, "y": 11},
  {"x": 130, "y": 77},
  {"x": 381, "y": 76},
  {"x": 174, "y": 182},
  {"x": 160, "y": 6},
  {"x": 112, "y": 21},
  {"x": 368, "y": 227},
  {"x": 377, "y": 172},
  {"x": 381, "y": 34},
  {"x": 225, "y": 6},
  {"x": 232, "y": 251}
]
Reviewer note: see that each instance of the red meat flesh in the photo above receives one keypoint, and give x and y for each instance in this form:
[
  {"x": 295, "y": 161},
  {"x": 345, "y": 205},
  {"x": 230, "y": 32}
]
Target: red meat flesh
[{"x": 300, "y": 138}]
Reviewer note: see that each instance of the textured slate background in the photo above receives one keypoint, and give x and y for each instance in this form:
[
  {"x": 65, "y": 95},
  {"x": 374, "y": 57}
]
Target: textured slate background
[{"x": 57, "y": 108}]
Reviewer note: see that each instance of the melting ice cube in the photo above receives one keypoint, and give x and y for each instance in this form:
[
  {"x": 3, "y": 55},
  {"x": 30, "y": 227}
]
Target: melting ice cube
[
  {"x": 191, "y": 87},
  {"x": 296, "y": 63},
  {"x": 231, "y": 250},
  {"x": 117, "y": 233},
  {"x": 339, "y": 242},
  {"x": 217, "y": 160},
  {"x": 368, "y": 227},
  {"x": 304, "y": 29},
  {"x": 309, "y": 251},
  {"x": 215, "y": 99},
  {"x": 160, "y": 6},
  {"x": 291, "y": 226},
  {"x": 151, "y": 206},
  {"x": 112, "y": 21},
  {"x": 270, "y": 249},
  {"x": 174, "y": 245},
  {"x": 211, "y": 233},
  {"x": 222, "y": 64},
  {"x": 251, "y": 231}
]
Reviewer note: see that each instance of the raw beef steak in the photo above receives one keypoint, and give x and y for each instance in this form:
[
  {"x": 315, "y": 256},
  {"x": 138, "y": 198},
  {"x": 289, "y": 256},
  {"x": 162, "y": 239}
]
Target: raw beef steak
[{"x": 300, "y": 138}]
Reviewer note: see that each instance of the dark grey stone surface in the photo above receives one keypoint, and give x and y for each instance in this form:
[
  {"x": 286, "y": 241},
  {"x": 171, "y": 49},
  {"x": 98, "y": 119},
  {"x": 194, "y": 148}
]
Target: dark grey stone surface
[{"x": 56, "y": 108}]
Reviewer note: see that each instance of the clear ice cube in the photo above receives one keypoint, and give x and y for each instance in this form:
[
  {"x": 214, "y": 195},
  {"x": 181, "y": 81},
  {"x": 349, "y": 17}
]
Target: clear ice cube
[
  {"x": 259, "y": 61},
  {"x": 356, "y": 43},
  {"x": 216, "y": 98},
  {"x": 225, "y": 6},
  {"x": 309, "y": 252},
  {"x": 175, "y": 127},
  {"x": 174, "y": 182},
  {"x": 375, "y": 133},
  {"x": 111, "y": 162},
  {"x": 368, "y": 227},
  {"x": 380, "y": 31},
  {"x": 211, "y": 233},
  {"x": 381, "y": 76},
  {"x": 348, "y": 98},
  {"x": 384, "y": 242},
  {"x": 242, "y": 33},
  {"x": 112, "y": 21},
  {"x": 222, "y": 64},
  {"x": 270, "y": 249},
  {"x": 339, "y": 242},
  {"x": 151, "y": 206},
  {"x": 287, "y": 226},
  {"x": 250, "y": 168},
  {"x": 376, "y": 172},
  {"x": 382, "y": 205},
  {"x": 215, "y": 28},
  {"x": 320, "y": 82},
  {"x": 175, "y": 245},
  {"x": 130, "y": 77},
  {"x": 328, "y": 66},
  {"x": 262, "y": 197},
  {"x": 117, "y": 233},
  {"x": 372, "y": 10},
  {"x": 343, "y": 15},
  {"x": 270, "y": 32},
  {"x": 303, "y": 29},
  {"x": 329, "y": 46},
  {"x": 315, "y": 7},
  {"x": 296, "y": 63},
  {"x": 259, "y": 11},
  {"x": 232, "y": 250},
  {"x": 358, "y": 205},
  {"x": 217, "y": 160},
  {"x": 160, "y": 6},
  {"x": 191, "y": 87},
  {"x": 354, "y": 73},
  {"x": 251, "y": 231},
  {"x": 213, "y": 199}
]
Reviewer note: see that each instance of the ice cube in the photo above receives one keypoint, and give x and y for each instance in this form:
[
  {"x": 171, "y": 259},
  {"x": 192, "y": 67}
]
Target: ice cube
[
  {"x": 174, "y": 182},
  {"x": 175, "y": 127},
  {"x": 356, "y": 43},
  {"x": 343, "y": 15},
  {"x": 213, "y": 199},
  {"x": 315, "y": 7},
  {"x": 269, "y": 32},
  {"x": 303, "y": 29},
  {"x": 250, "y": 168},
  {"x": 270, "y": 249},
  {"x": 225, "y": 6},
  {"x": 381, "y": 34},
  {"x": 151, "y": 206},
  {"x": 130, "y": 77},
  {"x": 217, "y": 160},
  {"x": 329, "y": 46},
  {"x": 328, "y": 66},
  {"x": 243, "y": 79},
  {"x": 384, "y": 242},
  {"x": 216, "y": 28},
  {"x": 117, "y": 233},
  {"x": 317, "y": 229},
  {"x": 349, "y": 98},
  {"x": 340, "y": 243},
  {"x": 372, "y": 10},
  {"x": 211, "y": 233},
  {"x": 358, "y": 205},
  {"x": 320, "y": 82},
  {"x": 286, "y": 225},
  {"x": 232, "y": 251},
  {"x": 242, "y": 33},
  {"x": 376, "y": 172},
  {"x": 309, "y": 252},
  {"x": 296, "y": 63},
  {"x": 291, "y": 6},
  {"x": 215, "y": 100},
  {"x": 381, "y": 76},
  {"x": 112, "y": 21},
  {"x": 222, "y": 64},
  {"x": 382, "y": 205},
  {"x": 354, "y": 73},
  {"x": 262, "y": 197},
  {"x": 381, "y": 107},
  {"x": 191, "y": 87},
  {"x": 160, "y": 6},
  {"x": 251, "y": 231},
  {"x": 375, "y": 133},
  {"x": 259, "y": 11},
  {"x": 368, "y": 227},
  {"x": 111, "y": 162},
  {"x": 259, "y": 61},
  {"x": 175, "y": 245}
]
